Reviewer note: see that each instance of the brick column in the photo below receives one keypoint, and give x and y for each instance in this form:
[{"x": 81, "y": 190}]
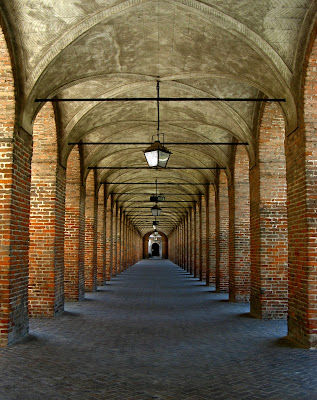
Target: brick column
[
  {"x": 188, "y": 242},
  {"x": 239, "y": 230},
  {"x": 183, "y": 243},
  {"x": 189, "y": 224},
  {"x": 15, "y": 148},
  {"x": 123, "y": 241},
  {"x": 194, "y": 223},
  {"x": 222, "y": 222},
  {"x": 129, "y": 245},
  {"x": 114, "y": 238},
  {"x": 301, "y": 167},
  {"x": 212, "y": 236},
  {"x": 119, "y": 217},
  {"x": 101, "y": 238},
  {"x": 269, "y": 282},
  {"x": 74, "y": 230},
  {"x": 199, "y": 241},
  {"x": 204, "y": 273},
  {"x": 108, "y": 237},
  {"x": 46, "y": 253},
  {"x": 91, "y": 210}
]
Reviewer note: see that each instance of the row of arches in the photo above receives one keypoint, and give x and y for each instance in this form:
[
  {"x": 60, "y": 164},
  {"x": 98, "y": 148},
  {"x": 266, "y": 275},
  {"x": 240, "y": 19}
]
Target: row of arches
[{"x": 252, "y": 234}]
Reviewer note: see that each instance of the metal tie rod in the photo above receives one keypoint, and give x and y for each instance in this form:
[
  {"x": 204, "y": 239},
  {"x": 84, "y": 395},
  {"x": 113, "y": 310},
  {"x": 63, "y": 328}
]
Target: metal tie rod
[
  {"x": 182, "y": 99},
  {"x": 153, "y": 183}
]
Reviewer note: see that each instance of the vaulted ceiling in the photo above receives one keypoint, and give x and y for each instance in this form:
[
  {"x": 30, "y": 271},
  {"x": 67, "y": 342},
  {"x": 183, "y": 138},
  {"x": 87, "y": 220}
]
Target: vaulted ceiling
[{"x": 120, "y": 48}]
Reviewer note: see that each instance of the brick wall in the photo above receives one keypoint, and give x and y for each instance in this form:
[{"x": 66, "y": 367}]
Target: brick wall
[
  {"x": 269, "y": 281},
  {"x": 239, "y": 229},
  {"x": 46, "y": 253}
]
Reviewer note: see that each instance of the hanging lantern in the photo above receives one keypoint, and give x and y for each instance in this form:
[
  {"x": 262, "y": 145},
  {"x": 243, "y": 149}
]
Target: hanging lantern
[
  {"x": 155, "y": 225},
  {"x": 157, "y": 155},
  {"x": 156, "y": 211}
]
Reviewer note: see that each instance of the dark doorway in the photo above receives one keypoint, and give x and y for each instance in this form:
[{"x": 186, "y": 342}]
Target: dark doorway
[{"x": 155, "y": 250}]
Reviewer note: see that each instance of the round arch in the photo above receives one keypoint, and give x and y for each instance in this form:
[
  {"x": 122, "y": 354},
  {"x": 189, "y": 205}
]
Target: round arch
[{"x": 164, "y": 242}]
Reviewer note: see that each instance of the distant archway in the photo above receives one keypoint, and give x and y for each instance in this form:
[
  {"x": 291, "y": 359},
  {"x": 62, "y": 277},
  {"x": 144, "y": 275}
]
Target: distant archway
[
  {"x": 162, "y": 242},
  {"x": 155, "y": 250}
]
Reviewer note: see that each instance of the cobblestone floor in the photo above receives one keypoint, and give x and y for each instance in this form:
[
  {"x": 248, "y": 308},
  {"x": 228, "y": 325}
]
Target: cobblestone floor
[{"x": 155, "y": 332}]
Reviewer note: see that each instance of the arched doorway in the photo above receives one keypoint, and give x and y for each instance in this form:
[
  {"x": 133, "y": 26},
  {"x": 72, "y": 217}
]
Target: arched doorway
[
  {"x": 161, "y": 240},
  {"x": 155, "y": 245},
  {"x": 155, "y": 250}
]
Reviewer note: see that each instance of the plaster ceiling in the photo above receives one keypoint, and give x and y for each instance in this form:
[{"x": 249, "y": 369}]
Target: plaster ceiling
[{"x": 120, "y": 48}]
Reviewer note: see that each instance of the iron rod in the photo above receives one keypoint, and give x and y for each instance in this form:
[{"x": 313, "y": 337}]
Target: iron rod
[
  {"x": 159, "y": 99},
  {"x": 153, "y": 183},
  {"x": 205, "y": 168},
  {"x": 166, "y": 143}
]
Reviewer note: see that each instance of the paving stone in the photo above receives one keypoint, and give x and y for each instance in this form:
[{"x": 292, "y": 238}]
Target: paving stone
[{"x": 155, "y": 332}]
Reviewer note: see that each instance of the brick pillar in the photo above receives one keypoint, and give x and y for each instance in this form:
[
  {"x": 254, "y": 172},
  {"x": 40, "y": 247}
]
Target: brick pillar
[
  {"x": 101, "y": 238},
  {"x": 222, "y": 223},
  {"x": 14, "y": 238},
  {"x": 239, "y": 230},
  {"x": 74, "y": 246},
  {"x": 189, "y": 224},
  {"x": 269, "y": 283},
  {"x": 205, "y": 274},
  {"x": 179, "y": 249},
  {"x": 119, "y": 233},
  {"x": 183, "y": 242},
  {"x": 199, "y": 240},
  {"x": 91, "y": 235},
  {"x": 123, "y": 241},
  {"x": 301, "y": 167},
  {"x": 194, "y": 223},
  {"x": 188, "y": 242},
  {"x": 129, "y": 245},
  {"x": 15, "y": 175},
  {"x": 212, "y": 235},
  {"x": 108, "y": 237},
  {"x": 114, "y": 238},
  {"x": 46, "y": 253}
]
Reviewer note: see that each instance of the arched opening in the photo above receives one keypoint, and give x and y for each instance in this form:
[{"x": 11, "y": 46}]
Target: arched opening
[
  {"x": 155, "y": 250},
  {"x": 155, "y": 245},
  {"x": 161, "y": 241}
]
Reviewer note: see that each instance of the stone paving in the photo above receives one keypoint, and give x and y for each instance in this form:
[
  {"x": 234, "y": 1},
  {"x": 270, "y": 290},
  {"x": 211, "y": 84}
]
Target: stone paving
[{"x": 155, "y": 332}]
